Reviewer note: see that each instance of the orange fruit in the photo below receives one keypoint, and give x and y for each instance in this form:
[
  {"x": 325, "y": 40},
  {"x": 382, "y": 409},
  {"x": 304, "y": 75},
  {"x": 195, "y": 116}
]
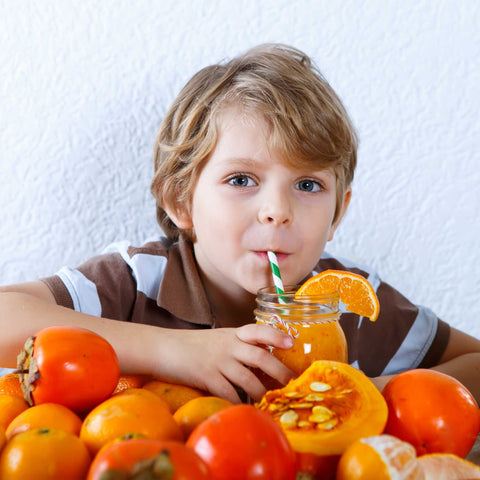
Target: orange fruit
[
  {"x": 131, "y": 381},
  {"x": 45, "y": 415},
  {"x": 3, "y": 438},
  {"x": 446, "y": 466},
  {"x": 195, "y": 411},
  {"x": 354, "y": 291},
  {"x": 44, "y": 454},
  {"x": 127, "y": 413},
  {"x": 10, "y": 407},
  {"x": 174, "y": 394},
  {"x": 380, "y": 457},
  {"x": 10, "y": 385}
]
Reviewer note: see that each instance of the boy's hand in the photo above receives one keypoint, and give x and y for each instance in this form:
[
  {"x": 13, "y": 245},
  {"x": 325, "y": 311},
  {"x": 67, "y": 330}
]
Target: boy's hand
[{"x": 216, "y": 360}]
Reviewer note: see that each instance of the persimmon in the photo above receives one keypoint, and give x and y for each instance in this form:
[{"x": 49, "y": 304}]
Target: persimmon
[
  {"x": 171, "y": 459},
  {"x": 68, "y": 365},
  {"x": 432, "y": 411},
  {"x": 242, "y": 442}
]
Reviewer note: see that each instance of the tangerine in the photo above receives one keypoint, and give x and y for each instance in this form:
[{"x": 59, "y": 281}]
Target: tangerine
[
  {"x": 131, "y": 381},
  {"x": 142, "y": 413},
  {"x": 196, "y": 410},
  {"x": 45, "y": 415},
  {"x": 10, "y": 385},
  {"x": 3, "y": 438},
  {"x": 174, "y": 394},
  {"x": 354, "y": 291},
  {"x": 10, "y": 407},
  {"x": 382, "y": 457},
  {"x": 44, "y": 454},
  {"x": 447, "y": 466}
]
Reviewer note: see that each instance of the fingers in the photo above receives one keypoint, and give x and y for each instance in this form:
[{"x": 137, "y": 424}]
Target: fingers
[{"x": 264, "y": 334}]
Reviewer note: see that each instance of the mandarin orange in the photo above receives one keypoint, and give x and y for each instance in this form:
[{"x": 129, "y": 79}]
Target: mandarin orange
[
  {"x": 142, "y": 413},
  {"x": 354, "y": 291},
  {"x": 3, "y": 438},
  {"x": 196, "y": 410},
  {"x": 44, "y": 454},
  {"x": 10, "y": 385},
  {"x": 447, "y": 466},
  {"x": 131, "y": 381},
  {"x": 10, "y": 407},
  {"x": 45, "y": 415},
  {"x": 380, "y": 457},
  {"x": 174, "y": 394}
]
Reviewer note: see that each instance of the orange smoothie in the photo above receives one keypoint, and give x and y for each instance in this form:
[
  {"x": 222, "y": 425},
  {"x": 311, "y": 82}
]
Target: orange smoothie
[{"x": 313, "y": 323}]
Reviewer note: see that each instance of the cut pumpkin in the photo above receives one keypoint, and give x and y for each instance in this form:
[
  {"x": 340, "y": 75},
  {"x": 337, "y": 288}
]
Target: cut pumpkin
[{"x": 325, "y": 409}]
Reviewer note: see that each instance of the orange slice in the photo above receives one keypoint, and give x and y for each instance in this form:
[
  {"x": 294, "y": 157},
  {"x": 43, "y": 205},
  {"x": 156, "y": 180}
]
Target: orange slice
[
  {"x": 446, "y": 466},
  {"x": 354, "y": 291}
]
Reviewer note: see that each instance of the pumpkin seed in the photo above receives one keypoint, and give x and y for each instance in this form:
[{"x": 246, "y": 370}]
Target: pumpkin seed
[
  {"x": 320, "y": 387},
  {"x": 301, "y": 405},
  {"x": 289, "y": 419},
  {"x": 321, "y": 414}
]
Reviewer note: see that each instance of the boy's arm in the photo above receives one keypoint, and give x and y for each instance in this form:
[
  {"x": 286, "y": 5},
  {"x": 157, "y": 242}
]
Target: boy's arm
[
  {"x": 461, "y": 360},
  {"x": 211, "y": 359}
]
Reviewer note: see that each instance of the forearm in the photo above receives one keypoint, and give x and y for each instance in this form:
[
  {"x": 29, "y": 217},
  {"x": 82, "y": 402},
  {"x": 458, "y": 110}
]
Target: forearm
[
  {"x": 21, "y": 315},
  {"x": 465, "y": 368}
]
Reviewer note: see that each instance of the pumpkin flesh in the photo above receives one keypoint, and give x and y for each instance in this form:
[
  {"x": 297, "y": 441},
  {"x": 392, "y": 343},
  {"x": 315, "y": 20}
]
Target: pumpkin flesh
[{"x": 325, "y": 409}]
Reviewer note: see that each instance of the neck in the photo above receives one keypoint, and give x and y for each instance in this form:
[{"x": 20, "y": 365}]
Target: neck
[{"x": 230, "y": 309}]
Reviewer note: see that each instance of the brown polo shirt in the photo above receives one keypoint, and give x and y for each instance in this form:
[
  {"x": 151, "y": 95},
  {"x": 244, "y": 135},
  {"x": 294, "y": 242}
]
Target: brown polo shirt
[{"x": 159, "y": 284}]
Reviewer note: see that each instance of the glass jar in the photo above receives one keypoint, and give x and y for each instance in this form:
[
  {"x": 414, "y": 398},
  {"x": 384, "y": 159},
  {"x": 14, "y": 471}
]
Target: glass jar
[{"x": 312, "y": 322}]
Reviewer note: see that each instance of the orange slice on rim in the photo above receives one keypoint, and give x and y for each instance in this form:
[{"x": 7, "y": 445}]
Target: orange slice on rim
[{"x": 354, "y": 291}]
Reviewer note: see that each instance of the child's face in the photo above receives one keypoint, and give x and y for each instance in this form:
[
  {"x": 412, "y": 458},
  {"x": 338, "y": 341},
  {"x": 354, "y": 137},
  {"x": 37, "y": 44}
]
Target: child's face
[{"x": 247, "y": 201}]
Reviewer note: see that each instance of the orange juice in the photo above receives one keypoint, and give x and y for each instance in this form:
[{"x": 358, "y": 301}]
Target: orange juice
[{"x": 312, "y": 322}]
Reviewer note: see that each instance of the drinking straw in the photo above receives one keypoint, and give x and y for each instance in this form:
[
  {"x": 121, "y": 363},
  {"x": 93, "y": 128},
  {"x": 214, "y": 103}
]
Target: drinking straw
[{"x": 277, "y": 279}]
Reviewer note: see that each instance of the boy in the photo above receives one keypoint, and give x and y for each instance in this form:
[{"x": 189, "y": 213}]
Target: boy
[{"x": 254, "y": 155}]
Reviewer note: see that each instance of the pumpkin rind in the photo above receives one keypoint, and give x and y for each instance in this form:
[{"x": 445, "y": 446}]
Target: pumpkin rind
[{"x": 325, "y": 409}]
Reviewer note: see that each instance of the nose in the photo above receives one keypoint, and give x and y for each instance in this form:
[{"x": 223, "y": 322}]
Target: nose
[{"x": 275, "y": 209}]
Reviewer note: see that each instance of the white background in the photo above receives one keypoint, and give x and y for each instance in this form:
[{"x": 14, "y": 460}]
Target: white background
[{"x": 84, "y": 85}]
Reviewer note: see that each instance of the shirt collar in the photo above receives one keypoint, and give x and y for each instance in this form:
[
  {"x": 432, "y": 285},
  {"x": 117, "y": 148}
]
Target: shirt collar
[{"x": 181, "y": 290}]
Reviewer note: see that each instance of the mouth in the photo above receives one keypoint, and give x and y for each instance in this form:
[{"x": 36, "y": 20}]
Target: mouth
[{"x": 281, "y": 256}]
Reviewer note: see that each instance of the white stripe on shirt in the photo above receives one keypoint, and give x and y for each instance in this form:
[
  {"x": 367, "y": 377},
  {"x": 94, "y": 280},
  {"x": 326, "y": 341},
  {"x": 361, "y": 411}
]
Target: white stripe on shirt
[
  {"x": 416, "y": 344},
  {"x": 147, "y": 269},
  {"x": 83, "y": 291}
]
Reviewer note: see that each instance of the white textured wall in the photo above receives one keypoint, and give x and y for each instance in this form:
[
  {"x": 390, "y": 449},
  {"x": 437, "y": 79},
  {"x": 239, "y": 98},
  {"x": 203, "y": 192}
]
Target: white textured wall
[{"x": 84, "y": 84}]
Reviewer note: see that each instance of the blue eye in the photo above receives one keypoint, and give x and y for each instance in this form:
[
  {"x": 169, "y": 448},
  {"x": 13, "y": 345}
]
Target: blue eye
[
  {"x": 308, "y": 186},
  {"x": 241, "y": 181}
]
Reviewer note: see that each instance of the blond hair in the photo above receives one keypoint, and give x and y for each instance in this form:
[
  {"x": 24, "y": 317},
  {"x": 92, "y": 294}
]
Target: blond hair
[{"x": 280, "y": 83}]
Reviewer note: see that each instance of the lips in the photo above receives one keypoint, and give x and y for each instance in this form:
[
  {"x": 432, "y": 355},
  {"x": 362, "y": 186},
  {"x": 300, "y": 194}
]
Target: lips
[{"x": 280, "y": 255}]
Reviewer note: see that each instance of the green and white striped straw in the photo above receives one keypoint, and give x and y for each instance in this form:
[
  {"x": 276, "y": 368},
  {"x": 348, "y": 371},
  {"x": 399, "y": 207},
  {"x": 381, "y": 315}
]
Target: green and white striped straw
[{"x": 277, "y": 279}]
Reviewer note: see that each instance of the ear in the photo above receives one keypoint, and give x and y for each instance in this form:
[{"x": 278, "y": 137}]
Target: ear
[
  {"x": 346, "y": 201},
  {"x": 179, "y": 214}
]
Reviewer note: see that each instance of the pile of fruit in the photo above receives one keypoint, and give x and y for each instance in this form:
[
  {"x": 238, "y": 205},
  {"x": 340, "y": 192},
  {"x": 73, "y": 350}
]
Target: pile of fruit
[
  {"x": 71, "y": 415},
  {"x": 68, "y": 414}
]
